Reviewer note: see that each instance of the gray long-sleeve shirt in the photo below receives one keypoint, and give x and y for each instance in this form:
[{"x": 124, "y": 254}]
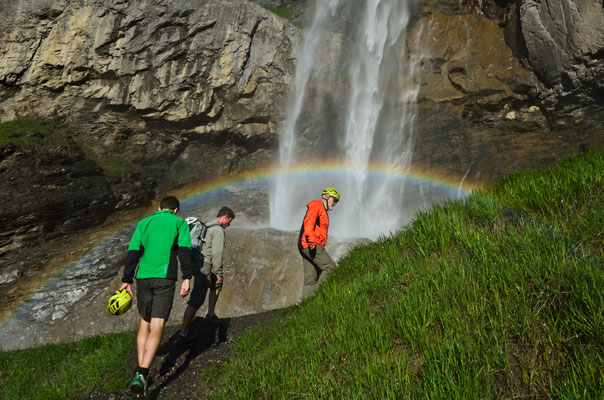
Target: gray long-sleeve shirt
[{"x": 213, "y": 249}]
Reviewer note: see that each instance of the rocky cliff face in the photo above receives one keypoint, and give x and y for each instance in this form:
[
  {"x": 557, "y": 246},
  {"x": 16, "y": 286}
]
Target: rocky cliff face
[
  {"x": 508, "y": 85},
  {"x": 154, "y": 82}
]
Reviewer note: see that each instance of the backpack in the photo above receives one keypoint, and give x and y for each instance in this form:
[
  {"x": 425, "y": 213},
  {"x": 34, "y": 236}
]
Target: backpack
[{"x": 198, "y": 231}]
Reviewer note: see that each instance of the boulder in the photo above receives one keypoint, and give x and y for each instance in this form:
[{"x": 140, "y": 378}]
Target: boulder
[{"x": 262, "y": 271}]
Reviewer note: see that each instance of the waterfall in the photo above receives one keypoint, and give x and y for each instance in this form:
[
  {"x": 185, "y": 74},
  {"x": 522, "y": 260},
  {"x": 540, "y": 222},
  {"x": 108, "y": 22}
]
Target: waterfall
[
  {"x": 352, "y": 112},
  {"x": 279, "y": 200}
]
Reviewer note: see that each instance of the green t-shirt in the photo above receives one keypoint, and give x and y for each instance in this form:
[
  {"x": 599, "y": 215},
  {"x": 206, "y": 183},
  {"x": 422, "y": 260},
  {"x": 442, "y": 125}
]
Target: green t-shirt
[{"x": 158, "y": 238}]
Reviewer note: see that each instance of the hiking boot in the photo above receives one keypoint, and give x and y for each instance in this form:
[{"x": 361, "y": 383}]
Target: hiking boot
[
  {"x": 188, "y": 338},
  {"x": 139, "y": 385},
  {"x": 212, "y": 318}
]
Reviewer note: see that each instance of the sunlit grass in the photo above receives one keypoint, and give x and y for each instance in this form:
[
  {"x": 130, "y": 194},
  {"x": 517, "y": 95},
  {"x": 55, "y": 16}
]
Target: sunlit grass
[
  {"x": 498, "y": 296},
  {"x": 69, "y": 370},
  {"x": 283, "y": 12}
]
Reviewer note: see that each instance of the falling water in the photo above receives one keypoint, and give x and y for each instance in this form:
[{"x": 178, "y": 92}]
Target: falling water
[{"x": 355, "y": 106}]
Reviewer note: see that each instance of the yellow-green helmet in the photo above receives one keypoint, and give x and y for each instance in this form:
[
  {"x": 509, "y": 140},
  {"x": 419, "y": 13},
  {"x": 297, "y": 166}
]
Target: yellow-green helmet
[
  {"x": 120, "y": 302},
  {"x": 332, "y": 192}
]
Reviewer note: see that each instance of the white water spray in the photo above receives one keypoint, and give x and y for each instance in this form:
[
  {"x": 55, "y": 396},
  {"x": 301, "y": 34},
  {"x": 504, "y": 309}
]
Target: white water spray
[{"x": 354, "y": 107}]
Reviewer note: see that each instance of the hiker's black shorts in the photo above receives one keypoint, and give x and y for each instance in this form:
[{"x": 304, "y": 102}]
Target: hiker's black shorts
[{"x": 154, "y": 297}]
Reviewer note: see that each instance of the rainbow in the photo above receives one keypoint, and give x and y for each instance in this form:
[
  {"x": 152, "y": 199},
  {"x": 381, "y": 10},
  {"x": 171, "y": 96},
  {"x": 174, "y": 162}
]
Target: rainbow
[
  {"x": 200, "y": 191},
  {"x": 314, "y": 169}
]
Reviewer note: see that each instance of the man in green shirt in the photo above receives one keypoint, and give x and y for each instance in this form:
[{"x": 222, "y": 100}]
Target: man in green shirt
[{"x": 155, "y": 245}]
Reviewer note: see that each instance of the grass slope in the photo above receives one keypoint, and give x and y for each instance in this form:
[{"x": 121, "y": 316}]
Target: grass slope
[
  {"x": 68, "y": 370},
  {"x": 498, "y": 296}
]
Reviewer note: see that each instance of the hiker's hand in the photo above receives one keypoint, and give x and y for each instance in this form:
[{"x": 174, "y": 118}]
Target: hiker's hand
[
  {"x": 311, "y": 246},
  {"x": 219, "y": 280},
  {"x": 128, "y": 288},
  {"x": 184, "y": 289}
]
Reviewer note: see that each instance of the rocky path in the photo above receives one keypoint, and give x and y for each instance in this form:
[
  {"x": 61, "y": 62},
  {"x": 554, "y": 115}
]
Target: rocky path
[{"x": 176, "y": 370}]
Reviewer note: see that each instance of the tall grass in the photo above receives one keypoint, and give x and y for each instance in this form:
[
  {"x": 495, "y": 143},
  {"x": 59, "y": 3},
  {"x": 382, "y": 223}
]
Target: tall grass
[
  {"x": 498, "y": 296},
  {"x": 69, "y": 370}
]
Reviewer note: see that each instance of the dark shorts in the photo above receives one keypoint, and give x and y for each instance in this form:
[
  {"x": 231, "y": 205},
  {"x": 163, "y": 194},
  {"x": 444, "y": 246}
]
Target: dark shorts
[
  {"x": 203, "y": 281},
  {"x": 154, "y": 297}
]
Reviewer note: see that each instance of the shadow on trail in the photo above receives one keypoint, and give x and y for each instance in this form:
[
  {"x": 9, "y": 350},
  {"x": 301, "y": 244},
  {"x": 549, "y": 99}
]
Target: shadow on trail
[{"x": 208, "y": 333}]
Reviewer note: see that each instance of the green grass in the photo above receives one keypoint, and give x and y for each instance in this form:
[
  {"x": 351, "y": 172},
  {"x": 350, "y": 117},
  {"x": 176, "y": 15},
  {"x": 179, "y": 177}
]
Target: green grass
[
  {"x": 496, "y": 296},
  {"x": 68, "y": 370},
  {"x": 46, "y": 137},
  {"x": 283, "y": 12}
]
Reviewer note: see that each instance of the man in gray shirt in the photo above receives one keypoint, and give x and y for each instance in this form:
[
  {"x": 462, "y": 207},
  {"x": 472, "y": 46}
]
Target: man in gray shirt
[{"x": 207, "y": 271}]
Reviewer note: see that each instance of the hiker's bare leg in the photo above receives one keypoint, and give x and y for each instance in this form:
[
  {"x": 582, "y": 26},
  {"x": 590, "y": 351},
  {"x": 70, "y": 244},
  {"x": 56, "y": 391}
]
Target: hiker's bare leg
[
  {"x": 141, "y": 337},
  {"x": 149, "y": 340}
]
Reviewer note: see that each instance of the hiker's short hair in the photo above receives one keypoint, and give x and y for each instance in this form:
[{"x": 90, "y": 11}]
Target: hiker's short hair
[
  {"x": 226, "y": 211},
  {"x": 169, "y": 203}
]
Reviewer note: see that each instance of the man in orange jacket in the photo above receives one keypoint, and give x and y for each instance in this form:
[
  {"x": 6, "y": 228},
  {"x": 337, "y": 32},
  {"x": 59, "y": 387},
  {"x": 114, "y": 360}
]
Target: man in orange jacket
[{"x": 313, "y": 236}]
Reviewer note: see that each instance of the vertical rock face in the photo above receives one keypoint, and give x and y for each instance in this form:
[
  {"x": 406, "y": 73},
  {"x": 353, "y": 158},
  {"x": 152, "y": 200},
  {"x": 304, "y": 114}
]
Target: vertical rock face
[
  {"x": 561, "y": 36},
  {"x": 560, "y": 42},
  {"x": 563, "y": 43},
  {"x": 146, "y": 79},
  {"x": 508, "y": 85}
]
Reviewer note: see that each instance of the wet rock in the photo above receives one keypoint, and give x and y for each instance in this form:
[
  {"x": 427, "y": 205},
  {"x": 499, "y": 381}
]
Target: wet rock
[
  {"x": 51, "y": 189},
  {"x": 262, "y": 272}
]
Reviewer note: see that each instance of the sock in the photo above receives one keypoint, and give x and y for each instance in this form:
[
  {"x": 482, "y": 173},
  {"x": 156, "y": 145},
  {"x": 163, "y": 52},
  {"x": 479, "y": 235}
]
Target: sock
[{"x": 144, "y": 372}]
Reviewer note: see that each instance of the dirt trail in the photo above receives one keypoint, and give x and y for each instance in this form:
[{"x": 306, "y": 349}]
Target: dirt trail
[{"x": 176, "y": 370}]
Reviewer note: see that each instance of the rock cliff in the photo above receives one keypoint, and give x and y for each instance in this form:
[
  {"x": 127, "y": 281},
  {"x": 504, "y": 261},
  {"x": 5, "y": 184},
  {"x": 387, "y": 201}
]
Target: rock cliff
[
  {"x": 161, "y": 84},
  {"x": 508, "y": 85}
]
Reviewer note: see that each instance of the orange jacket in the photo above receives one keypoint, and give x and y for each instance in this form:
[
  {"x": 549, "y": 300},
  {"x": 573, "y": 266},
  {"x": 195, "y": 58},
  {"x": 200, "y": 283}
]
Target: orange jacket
[{"x": 315, "y": 225}]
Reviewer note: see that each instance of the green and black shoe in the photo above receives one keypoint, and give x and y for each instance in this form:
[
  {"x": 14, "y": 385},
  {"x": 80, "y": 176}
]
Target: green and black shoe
[{"x": 139, "y": 386}]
